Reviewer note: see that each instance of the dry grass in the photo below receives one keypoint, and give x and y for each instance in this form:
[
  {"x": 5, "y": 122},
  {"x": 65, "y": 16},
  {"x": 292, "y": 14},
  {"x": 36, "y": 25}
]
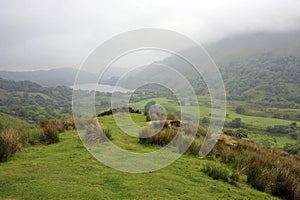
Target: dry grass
[
  {"x": 10, "y": 143},
  {"x": 268, "y": 170}
]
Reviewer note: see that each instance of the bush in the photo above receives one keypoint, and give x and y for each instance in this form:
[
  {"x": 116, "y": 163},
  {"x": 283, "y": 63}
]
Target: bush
[
  {"x": 119, "y": 110},
  {"x": 292, "y": 148},
  {"x": 9, "y": 143},
  {"x": 268, "y": 170},
  {"x": 182, "y": 143},
  {"x": 148, "y": 105},
  {"x": 50, "y": 134},
  {"x": 35, "y": 136},
  {"x": 240, "y": 110},
  {"x": 69, "y": 124},
  {"x": 57, "y": 124},
  {"x": 1, "y": 127},
  {"x": 205, "y": 120},
  {"x": 51, "y": 128},
  {"x": 237, "y": 123},
  {"x": 239, "y": 133},
  {"x": 190, "y": 129},
  {"x": 96, "y": 135},
  {"x": 162, "y": 138},
  {"x": 219, "y": 172}
]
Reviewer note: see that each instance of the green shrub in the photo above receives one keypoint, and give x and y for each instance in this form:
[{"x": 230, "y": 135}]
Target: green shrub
[
  {"x": 96, "y": 135},
  {"x": 292, "y": 148},
  {"x": 268, "y": 170},
  {"x": 51, "y": 128},
  {"x": 69, "y": 124},
  {"x": 162, "y": 138},
  {"x": 9, "y": 143},
  {"x": 194, "y": 148},
  {"x": 119, "y": 110},
  {"x": 184, "y": 141},
  {"x": 1, "y": 126},
  {"x": 219, "y": 172},
  {"x": 50, "y": 134},
  {"x": 35, "y": 136},
  {"x": 236, "y": 123},
  {"x": 240, "y": 110}
]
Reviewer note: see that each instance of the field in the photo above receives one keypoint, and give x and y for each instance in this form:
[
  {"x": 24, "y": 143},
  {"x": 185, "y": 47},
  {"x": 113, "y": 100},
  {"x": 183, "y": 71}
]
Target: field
[
  {"x": 256, "y": 124},
  {"x": 67, "y": 171},
  {"x": 205, "y": 110}
]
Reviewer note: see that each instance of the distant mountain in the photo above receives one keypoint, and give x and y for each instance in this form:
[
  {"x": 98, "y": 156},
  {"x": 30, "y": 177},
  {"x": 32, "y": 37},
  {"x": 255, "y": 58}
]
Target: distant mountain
[
  {"x": 48, "y": 78},
  {"x": 262, "y": 68},
  {"x": 248, "y": 46}
]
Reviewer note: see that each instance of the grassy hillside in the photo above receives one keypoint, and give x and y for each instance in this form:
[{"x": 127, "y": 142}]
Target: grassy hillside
[
  {"x": 67, "y": 171},
  {"x": 261, "y": 68},
  {"x": 32, "y": 102},
  {"x": 257, "y": 125},
  {"x": 205, "y": 110},
  {"x": 8, "y": 121}
]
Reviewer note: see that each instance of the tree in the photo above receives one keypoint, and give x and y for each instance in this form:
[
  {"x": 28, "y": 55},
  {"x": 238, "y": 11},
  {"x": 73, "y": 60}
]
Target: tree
[
  {"x": 292, "y": 148},
  {"x": 237, "y": 123},
  {"x": 240, "y": 110},
  {"x": 205, "y": 120},
  {"x": 241, "y": 133}
]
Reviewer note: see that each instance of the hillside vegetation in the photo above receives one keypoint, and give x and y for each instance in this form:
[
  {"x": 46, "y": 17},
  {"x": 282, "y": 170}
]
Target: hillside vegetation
[
  {"x": 67, "y": 171},
  {"x": 33, "y": 102}
]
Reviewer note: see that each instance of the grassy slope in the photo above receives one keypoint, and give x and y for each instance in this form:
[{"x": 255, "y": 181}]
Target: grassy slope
[
  {"x": 9, "y": 121},
  {"x": 67, "y": 171},
  {"x": 254, "y": 121}
]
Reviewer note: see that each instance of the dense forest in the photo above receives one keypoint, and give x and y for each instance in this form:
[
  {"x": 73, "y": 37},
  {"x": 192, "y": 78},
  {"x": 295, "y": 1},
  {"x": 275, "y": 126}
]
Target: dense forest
[
  {"x": 268, "y": 80},
  {"x": 33, "y": 102}
]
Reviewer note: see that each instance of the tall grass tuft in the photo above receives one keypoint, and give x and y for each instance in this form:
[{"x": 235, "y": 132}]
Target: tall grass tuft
[
  {"x": 96, "y": 134},
  {"x": 162, "y": 138},
  {"x": 268, "y": 170},
  {"x": 51, "y": 129},
  {"x": 9, "y": 143},
  {"x": 50, "y": 134},
  {"x": 219, "y": 172}
]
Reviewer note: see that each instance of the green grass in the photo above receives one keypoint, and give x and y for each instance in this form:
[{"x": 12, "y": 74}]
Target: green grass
[
  {"x": 67, "y": 171},
  {"x": 273, "y": 141},
  {"x": 258, "y": 122},
  {"x": 204, "y": 109},
  {"x": 122, "y": 139},
  {"x": 9, "y": 121}
]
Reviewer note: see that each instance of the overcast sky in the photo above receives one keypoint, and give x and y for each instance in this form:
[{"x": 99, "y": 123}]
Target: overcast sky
[{"x": 45, "y": 34}]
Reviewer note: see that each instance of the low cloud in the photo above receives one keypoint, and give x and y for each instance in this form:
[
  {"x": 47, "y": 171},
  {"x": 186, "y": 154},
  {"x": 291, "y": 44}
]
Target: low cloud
[{"x": 53, "y": 33}]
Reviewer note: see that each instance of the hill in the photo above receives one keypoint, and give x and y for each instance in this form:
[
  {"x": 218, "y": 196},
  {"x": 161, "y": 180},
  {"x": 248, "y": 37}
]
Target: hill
[
  {"x": 261, "y": 68},
  {"x": 33, "y": 102},
  {"x": 67, "y": 171},
  {"x": 48, "y": 78},
  {"x": 8, "y": 121}
]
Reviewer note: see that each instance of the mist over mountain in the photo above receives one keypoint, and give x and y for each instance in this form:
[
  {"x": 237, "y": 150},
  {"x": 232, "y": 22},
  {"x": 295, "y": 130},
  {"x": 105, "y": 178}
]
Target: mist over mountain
[
  {"x": 48, "y": 78},
  {"x": 249, "y": 63},
  {"x": 261, "y": 68}
]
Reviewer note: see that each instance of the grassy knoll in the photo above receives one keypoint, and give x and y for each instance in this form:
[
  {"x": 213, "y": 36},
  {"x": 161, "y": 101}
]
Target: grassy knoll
[
  {"x": 67, "y": 171},
  {"x": 8, "y": 121}
]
